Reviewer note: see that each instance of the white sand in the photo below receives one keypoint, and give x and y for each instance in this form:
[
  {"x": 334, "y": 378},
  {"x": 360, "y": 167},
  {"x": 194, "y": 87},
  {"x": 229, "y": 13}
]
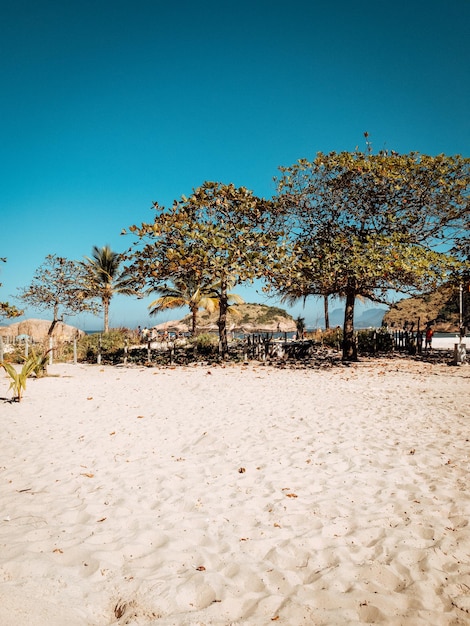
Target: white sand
[
  {"x": 237, "y": 495},
  {"x": 448, "y": 343}
]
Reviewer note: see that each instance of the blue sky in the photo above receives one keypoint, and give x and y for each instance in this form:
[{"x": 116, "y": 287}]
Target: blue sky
[{"x": 106, "y": 106}]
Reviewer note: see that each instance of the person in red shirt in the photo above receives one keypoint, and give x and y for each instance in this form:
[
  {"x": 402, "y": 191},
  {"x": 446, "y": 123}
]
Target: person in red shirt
[{"x": 429, "y": 335}]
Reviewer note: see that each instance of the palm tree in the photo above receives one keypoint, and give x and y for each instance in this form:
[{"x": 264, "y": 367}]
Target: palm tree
[
  {"x": 105, "y": 278},
  {"x": 300, "y": 326},
  {"x": 191, "y": 292},
  {"x": 188, "y": 292}
]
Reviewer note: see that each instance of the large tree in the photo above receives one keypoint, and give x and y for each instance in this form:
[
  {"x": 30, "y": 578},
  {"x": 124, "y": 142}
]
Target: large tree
[
  {"x": 364, "y": 224},
  {"x": 220, "y": 234},
  {"x": 58, "y": 286},
  {"x": 461, "y": 278},
  {"x": 106, "y": 277}
]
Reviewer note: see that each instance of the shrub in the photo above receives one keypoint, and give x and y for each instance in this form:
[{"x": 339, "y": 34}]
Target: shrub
[
  {"x": 16, "y": 353},
  {"x": 110, "y": 345},
  {"x": 371, "y": 341},
  {"x": 332, "y": 337},
  {"x": 39, "y": 362},
  {"x": 205, "y": 344},
  {"x": 271, "y": 314}
]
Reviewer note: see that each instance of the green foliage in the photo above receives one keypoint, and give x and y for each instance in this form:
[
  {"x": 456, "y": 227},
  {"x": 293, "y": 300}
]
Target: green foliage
[
  {"x": 9, "y": 311},
  {"x": 221, "y": 235},
  {"x": 271, "y": 314},
  {"x": 372, "y": 341},
  {"x": 110, "y": 345},
  {"x": 105, "y": 278},
  {"x": 190, "y": 291},
  {"x": 332, "y": 337},
  {"x": 205, "y": 344},
  {"x": 368, "y": 341},
  {"x": 32, "y": 365},
  {"x": 39, "y": 362},
  {"x": 58, "y": 286},
  {"x": 364, "y": 224},
  {"x": 441, "y": 305},
  {"x": 6, "y": 309},
  {"x": 449, "y": 313}
]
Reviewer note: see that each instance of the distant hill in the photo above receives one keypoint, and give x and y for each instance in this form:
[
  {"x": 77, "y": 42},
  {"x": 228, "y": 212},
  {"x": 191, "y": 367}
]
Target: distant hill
[
  {"x": 442, "y": 307},
  {"x": 247, "y": 318},
  {"x": 369, "y": 318}
]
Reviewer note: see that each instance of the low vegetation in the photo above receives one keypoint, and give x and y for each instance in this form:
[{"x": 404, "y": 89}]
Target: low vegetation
[
  {"x": 34, "y": 364},
  {"x": 205, "y": 344},
  {"x": 110, "y": 346}
]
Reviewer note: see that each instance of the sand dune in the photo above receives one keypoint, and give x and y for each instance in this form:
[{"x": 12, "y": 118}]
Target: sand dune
[{"x": 237, "y": 495}]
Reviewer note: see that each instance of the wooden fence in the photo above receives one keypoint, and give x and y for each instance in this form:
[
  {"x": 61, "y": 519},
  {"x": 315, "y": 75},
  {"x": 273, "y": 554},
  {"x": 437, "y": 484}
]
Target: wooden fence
[{"x": 8, "y": 343}]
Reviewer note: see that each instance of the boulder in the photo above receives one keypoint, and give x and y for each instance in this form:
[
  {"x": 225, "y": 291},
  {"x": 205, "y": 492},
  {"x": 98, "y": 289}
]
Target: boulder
[{"x": 37, "y": 330}]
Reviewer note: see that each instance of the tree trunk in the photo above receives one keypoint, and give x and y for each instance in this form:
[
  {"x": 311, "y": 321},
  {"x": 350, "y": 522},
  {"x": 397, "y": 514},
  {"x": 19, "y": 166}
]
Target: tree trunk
[
  {"x": 222, "y": 321},
  {"x": 327, "y": 313},
  {"x": 194, "y": 319},
  {"x": 106, "y": 314},
  {"x": 349, "y": 343},
  {"x": 51, "y": 327},
  {"x": 54, "y": 321}
]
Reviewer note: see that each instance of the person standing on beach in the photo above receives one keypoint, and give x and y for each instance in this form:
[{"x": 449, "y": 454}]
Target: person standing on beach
[{"x": 429, "y": 335}]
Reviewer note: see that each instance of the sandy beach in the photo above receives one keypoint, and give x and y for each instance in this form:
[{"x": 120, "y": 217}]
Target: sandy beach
[
  {"x": 448, "y": 343},
  {"x": 243, "y": 495}
]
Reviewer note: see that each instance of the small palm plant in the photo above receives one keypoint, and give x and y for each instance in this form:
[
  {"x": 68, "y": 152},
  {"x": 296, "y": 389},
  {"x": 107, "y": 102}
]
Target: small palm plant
[
  {"x": 35, "y": 364},
  {"x": 39, "y": 363},
  {"x": 18, "y": 379}
]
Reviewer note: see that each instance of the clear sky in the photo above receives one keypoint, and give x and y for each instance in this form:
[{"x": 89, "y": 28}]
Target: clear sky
[{"x": 107, "y": 105}]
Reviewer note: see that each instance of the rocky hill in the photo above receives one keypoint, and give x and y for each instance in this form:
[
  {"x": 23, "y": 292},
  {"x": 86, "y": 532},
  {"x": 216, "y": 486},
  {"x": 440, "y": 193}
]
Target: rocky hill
[
  {"x": 37, "y": 330},
  {"x": 248, "y": 318},
  {"x": 440, "y": 307}
]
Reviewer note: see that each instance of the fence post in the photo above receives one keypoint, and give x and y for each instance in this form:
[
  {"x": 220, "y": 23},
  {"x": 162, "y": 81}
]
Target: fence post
[
  {"x": 75, "y": 351},
  {"x": 26, "y": 348},
  {"x": 126, "y": 349},
  {"x": 149, "y": 352},
  {"x": 460, "y": 353},
  {"x": 246, "y": 348},
  {"x": 98, "y": 358},
  {"x": 50, "y": 351}
]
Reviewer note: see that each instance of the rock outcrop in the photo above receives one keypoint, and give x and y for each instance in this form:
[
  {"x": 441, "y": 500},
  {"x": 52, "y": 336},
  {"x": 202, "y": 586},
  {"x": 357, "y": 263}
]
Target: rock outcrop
[
  {"x": 440, "y": 307},
  {"x": 247, "y": 318},
  {"x": 37, "y": 330}
]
